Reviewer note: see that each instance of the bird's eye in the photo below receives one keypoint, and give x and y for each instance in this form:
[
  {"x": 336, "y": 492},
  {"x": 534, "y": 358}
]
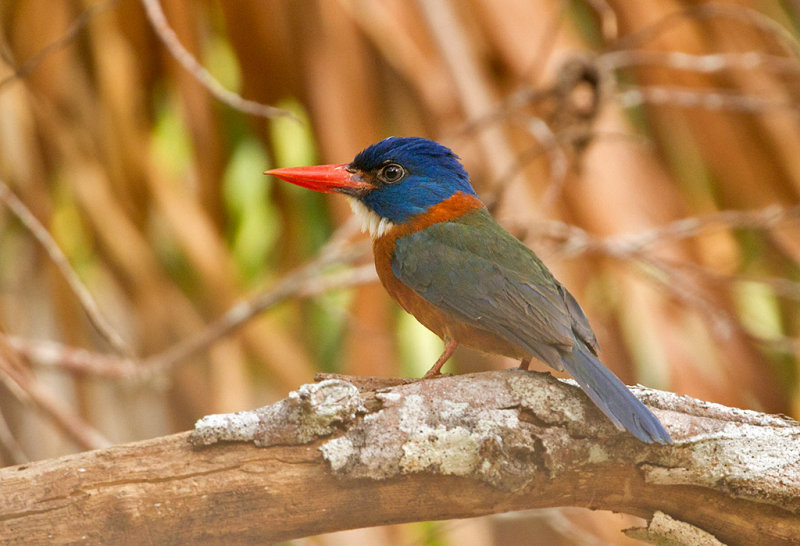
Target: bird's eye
[{"x": 391, "y": 173}]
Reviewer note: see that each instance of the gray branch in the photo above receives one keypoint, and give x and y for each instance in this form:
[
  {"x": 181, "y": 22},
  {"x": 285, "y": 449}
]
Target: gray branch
[{"x": 356, "y": 452}]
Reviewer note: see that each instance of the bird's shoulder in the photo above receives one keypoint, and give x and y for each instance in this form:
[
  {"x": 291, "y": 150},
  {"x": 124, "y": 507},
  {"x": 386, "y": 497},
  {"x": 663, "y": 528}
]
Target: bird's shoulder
[{"x": 477, "y": 235}]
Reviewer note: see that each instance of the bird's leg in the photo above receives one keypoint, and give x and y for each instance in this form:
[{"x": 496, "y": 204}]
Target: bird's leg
[
  {"x": 524, "y": 363},
  {"x": 449, "y": 348}
]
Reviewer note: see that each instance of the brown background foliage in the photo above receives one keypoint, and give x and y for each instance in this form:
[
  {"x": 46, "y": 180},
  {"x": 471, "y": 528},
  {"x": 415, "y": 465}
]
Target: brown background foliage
[{"x": 647, "y": 149}]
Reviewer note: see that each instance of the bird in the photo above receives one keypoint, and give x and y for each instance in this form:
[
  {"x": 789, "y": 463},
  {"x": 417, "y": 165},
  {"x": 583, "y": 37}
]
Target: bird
[{"x": 440, "y": 254}]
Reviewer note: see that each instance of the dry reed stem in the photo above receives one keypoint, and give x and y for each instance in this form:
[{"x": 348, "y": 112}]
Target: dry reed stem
[
  {"x": 40, "y": 233},
  {"x": 23, "y": 384},
  {"x": 713, "y": 10},
  {"x": 168, "y": 37}
]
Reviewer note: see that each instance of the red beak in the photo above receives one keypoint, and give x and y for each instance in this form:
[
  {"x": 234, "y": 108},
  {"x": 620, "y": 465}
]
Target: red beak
[{"x": 324, "y": 178}]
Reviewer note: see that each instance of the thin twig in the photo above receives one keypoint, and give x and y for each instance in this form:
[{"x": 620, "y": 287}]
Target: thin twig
[
  {"x": 51, "y": 353},
  {"x": 723, "y": 323},
  {"x": 609, "y": 25},
  {"x": 23, "y": 384},
  {"x": 566, "y": 137},
  {"x": 306, "y": 281},
  {"x": 168, "y": 37},
  {"x": 77, "y": 25},
  {"x": 675, "y": 280},
  {"x": 705, "y": 64},
  {"x": 713, "y": 10},
  {"x": 521, "y": 98},
  {"x": 90, "y": 307},
  {"x": 578, "y": 241},
  {"x": 698, "y": 98},
  {"x": 77, "y": 360},
  {"x": 337, "y": 251},
  {"x": 781, "y": 287},
  {"x": 764, "y": 219},
  {"x": 559, "y": 164},
  {"x": 633, "y": 246}
]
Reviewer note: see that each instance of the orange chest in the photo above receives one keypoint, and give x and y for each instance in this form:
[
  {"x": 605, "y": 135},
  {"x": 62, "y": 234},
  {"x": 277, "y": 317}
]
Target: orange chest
[
  {"x": 440, "y": 322},
  {"x": 434, "y": 319},
  {"x": 384, "y": 246}
]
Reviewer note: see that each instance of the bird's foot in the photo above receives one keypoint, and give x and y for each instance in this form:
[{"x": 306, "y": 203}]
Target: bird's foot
[
  {"x": 435, "y": 375},
  {"x": 449, "y": 349}
]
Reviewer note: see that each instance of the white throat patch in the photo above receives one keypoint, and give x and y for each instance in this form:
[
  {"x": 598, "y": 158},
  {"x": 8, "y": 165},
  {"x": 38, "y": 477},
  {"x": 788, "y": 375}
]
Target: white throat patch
[{"x": 371, "y": 222}]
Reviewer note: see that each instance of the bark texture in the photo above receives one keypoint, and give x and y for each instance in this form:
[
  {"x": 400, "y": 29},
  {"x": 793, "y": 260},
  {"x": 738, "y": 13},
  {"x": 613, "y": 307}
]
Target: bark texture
[{"x": 354, "y": 452}]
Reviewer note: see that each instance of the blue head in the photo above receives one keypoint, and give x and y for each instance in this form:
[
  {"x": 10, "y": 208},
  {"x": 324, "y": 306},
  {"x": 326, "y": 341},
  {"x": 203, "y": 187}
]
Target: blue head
[
  {"x": 406, "y": 176},
  {"x": 395, "y": 179}
]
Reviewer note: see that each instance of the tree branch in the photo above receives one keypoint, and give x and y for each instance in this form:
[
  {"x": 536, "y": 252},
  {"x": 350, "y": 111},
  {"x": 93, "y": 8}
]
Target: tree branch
[{"x": 344, "y": 454}]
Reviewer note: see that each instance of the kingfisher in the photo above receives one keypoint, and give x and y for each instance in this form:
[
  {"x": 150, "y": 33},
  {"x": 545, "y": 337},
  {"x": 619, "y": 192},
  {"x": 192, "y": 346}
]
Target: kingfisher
[{"x": 444, "y": 259}]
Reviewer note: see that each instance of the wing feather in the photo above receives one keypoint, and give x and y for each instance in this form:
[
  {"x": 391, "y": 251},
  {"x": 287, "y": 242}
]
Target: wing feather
[{"x": 474, "y": 269}]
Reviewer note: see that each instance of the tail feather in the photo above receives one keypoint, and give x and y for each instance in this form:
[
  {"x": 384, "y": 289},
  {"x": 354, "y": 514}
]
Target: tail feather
[{"x": 612, "y": 396}]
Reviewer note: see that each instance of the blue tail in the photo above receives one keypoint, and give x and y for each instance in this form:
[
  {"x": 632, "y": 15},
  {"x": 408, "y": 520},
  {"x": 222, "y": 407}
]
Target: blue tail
[{"x": 612, "y": 396}]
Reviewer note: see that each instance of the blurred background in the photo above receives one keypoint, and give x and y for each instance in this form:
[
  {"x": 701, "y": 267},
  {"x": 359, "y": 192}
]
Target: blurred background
[{"x": 648, "y": 150}]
